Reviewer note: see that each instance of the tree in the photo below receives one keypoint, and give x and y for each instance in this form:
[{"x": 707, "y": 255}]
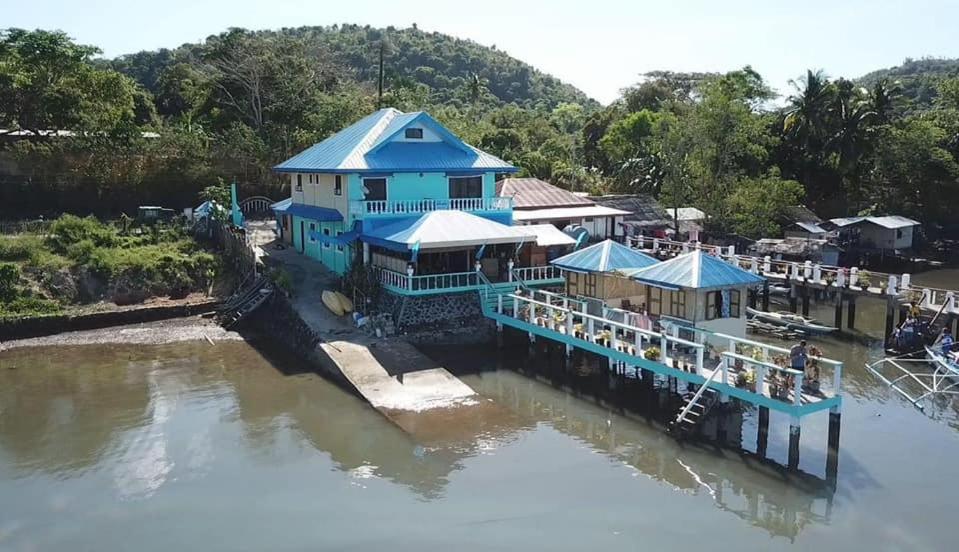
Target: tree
[{"x": 759, "y": 204}]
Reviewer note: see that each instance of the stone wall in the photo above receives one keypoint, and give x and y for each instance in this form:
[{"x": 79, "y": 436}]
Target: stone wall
[{"x": 449, "y": 318}]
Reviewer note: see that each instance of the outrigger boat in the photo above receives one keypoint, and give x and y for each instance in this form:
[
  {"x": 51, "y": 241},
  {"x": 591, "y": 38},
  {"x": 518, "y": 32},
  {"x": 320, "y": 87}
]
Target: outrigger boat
[
  {"x": 791, "y": 321},
  {"x": 947, "y": 364}
]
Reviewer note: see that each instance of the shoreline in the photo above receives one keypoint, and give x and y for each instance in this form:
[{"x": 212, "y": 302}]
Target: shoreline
[{"x": 162, "y": 332}]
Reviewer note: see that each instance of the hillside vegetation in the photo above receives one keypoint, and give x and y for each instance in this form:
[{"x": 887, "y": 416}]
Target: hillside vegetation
[
  {"x": 917, "y": 79},
  {"x": 241, "y": 101}
]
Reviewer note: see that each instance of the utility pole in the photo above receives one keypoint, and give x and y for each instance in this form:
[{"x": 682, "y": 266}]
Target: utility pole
[{"x": 379, "y": 90}]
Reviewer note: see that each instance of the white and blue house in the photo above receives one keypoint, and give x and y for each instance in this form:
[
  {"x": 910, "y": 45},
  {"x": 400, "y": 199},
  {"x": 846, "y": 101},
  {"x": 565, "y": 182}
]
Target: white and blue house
[{"x": 404, "y": 194}]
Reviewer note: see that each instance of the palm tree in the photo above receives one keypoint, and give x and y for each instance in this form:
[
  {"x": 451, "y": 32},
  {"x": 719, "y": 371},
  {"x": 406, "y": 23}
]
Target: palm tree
[{"x": 805, "y": 118}]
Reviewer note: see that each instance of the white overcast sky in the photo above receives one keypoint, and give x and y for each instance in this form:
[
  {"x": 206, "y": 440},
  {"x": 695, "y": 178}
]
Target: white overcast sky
[{"x": 598, "y": 45}]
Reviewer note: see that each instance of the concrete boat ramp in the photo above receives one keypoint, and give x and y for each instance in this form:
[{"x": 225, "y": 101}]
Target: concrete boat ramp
[{"x": 396, "y": 379}]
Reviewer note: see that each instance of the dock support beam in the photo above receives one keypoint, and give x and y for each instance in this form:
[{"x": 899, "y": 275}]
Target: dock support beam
[
  {"x": 832, "y": 451},
  {"x": 851, "y": 315},
  {"x": 766, "y": 295},
  {"x": 793, "y": 300},
  {"x": 805, "y": 301},
  {"x": 762, "y": 436},
  {"x": 794, "y": 430}
]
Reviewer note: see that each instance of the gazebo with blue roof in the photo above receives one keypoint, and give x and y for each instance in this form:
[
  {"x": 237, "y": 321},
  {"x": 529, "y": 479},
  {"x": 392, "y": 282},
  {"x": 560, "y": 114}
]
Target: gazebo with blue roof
[
  {"x": 698, "y": 289},
  {"x": 594, "y": 271}
]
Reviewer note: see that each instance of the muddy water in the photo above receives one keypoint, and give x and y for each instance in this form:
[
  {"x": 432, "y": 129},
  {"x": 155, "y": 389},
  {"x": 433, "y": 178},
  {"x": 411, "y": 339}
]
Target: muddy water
[{"x": 192, "y": 446}]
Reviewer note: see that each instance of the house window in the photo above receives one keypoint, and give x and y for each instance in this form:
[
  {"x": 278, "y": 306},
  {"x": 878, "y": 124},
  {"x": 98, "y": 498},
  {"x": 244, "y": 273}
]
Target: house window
[
  {"x": 714, "y": 305},
  {"x": 375, "y": 189},
  {"x": 414, "y": 133},
  {"x": 311, "y": 178},
  {"x": 339, "y": 246},
  {"x": 299, "y": 182},
  {"x": 466, "y": 186},
  {"x": 734, "y": 303},
  {"x": 655, "y": 301},
  {"x": 899, "y": 234},
  {"x": 677, "y": 304},
  {"x": 587, "y": 220},
  {"x": 312, "y": 229},
  {"x": 338, "y": 185},
  {"x": 589, "y": 289},
  {"x": 326, "y": 243}
]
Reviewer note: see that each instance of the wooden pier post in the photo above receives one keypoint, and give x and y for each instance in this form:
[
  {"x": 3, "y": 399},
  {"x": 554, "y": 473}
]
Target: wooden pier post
[
  {"x": 851, "y": 314},
  {"x": 832, "y": 450},
  {"x": 795, "y": 426},
  {"x": 762, "y": 436}
]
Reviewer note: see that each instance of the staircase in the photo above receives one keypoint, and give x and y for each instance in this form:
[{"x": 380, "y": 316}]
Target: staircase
[{"x": 695, "y": 408}]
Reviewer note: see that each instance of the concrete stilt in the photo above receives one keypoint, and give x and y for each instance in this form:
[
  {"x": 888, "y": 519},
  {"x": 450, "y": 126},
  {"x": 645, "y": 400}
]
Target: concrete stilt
[
  {"x": 805, "y": 301},
  {"x": 762, "y": 437},
  {"x": 793, "y": 299},
  {"x": 851, "y": 314},
  {"x": 890, "y": 323},
  {"x": 794, "y": 430},
  {"x": 752, "y": 298},
  {"x": 766, "y": 295},
  {"x": 832, "y": 450},
  {"x": 838, "y": 321}
]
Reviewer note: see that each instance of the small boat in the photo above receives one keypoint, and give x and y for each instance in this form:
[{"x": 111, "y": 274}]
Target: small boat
[
  {"x": 948, "y": 364},
  {"x": 332, "y": 302},
  {"x": 779, "y": 290},
  {"x": 791, "y": 320}
]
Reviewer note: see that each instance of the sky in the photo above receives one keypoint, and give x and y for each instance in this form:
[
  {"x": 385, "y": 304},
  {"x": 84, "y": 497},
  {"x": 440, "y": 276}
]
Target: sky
[{"x": 600, "y": 46}]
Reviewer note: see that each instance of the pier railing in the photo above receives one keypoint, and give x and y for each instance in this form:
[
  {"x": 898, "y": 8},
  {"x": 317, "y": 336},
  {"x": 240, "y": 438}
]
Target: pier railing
[
  {"x": 707, "y": 355},
  {"x": 420, "y": 206}
]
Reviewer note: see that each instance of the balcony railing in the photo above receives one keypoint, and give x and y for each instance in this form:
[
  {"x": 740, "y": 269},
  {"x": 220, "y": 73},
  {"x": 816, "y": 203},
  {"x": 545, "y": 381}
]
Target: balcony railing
[
  {"x": 428, "y": 284},
  {"x": 419, "y": 206}
]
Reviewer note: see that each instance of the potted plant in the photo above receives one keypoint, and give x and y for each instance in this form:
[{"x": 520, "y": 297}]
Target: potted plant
[
  {"x": 653, "y": 353},
  {"x": 750, "y": 378},
  {"x": 864, "y": 281}
]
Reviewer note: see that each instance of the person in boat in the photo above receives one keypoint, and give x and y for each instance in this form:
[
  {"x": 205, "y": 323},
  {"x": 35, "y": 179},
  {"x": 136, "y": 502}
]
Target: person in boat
[
  {"x": 915, "y": 311},
  {"x": 798, "y": 356},
  {"x": 907, "y": 333},
  {"x": 946, "y": 342}
]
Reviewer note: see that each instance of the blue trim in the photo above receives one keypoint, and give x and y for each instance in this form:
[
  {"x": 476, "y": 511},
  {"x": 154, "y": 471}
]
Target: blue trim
[
  {"x": 391, "y": 245},
  {"x": 319, "y": 214},
  {"x": 373, "y": 172}
]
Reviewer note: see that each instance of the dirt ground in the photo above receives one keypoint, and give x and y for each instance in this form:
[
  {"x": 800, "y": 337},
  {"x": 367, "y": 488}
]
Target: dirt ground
[{"x": 193, "y": 328}]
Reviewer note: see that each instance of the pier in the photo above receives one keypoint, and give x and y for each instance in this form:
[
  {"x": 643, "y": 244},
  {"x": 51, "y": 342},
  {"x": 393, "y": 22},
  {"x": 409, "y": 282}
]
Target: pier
[{"x": 702, "y": 359}]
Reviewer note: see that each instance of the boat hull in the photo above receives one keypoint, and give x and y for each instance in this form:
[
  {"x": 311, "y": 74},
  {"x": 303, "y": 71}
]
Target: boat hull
[
  {"x": 945, "y": 365},
  {"x": 775, "y": 318}
]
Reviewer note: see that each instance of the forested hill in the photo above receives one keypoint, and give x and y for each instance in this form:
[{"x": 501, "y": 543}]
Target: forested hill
[
  {"x": 455, "y": 71},
  {"x": 917, "y": 79}
]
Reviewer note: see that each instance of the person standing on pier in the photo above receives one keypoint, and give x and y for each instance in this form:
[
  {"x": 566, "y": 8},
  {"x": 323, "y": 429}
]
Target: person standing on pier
[
  {"x": 798, "y": 356},
  {"x": 946, "y": 342}
]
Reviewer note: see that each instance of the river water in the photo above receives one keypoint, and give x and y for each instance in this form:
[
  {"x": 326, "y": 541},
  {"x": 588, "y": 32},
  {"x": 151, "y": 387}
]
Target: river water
[{"x": 193, "y": 446}]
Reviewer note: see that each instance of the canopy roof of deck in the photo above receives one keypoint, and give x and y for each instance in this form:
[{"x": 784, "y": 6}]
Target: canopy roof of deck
[
  {"x": 604, "y": 256},
  {"x": 443, "y": 229},
  {"x": 694, "y": 270}
]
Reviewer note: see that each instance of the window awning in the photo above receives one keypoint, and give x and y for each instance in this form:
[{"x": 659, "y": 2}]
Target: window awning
[
  {"x": 442, "y": 229},
  {"x": 312, "y": 212}
]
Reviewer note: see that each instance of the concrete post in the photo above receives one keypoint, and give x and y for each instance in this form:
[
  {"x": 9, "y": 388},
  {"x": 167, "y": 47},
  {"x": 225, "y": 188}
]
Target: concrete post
[
  {"x": 795, "y": 427},
  {"x": 805, "y": 300},
  {"x": 838, "y": 319},
  {"x": 853, "y": 276},
  {"x": 762, "y": 436},
  {"x": 892, "y": 286},
  {"x": 807, "y": 270},
  {"x": 832, "y": 447},
  {"x": 366, "y": 253},
  {"x": 851, "y": 315},
  {"x": 754, "y": 265},
  {"x": 817, "y": 273},
  {"x": 767, "y": 264},
  {"x": 509, "y": 266},
  {"x": 906, "y": 281}
]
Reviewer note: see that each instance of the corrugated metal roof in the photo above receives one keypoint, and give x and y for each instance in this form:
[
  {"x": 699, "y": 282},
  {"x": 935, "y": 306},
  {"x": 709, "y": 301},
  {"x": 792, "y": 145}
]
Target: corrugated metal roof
[
  {"x": 811, "y": 227},
  {"x": 448, "y": 229},
  {"x": 687, "y": 213},
  {"x": 695, "y": 270},
  {"x": 643, "y": 209},
  {"x": 533, "y": 193},
  {"x": 563, "y": 213},
  {"x": 364, "y": 146},
  {"x": 604, "y": 257},
  {"x": 548, "y": 235},
  {"x": 890, "y": 221}
]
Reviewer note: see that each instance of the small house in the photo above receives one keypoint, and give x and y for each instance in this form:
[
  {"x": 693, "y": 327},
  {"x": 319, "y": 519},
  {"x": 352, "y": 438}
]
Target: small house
[
  {"x": 536, "y": 201},
  {"x": 798, "y": 221},
  {"x": 889, "y": 234},
  {"x": 646, "y": 216},
  {"x": 797, "y": 250},
  {"x": 592, "y": 272},
  {"x": 691, "y": 222}
]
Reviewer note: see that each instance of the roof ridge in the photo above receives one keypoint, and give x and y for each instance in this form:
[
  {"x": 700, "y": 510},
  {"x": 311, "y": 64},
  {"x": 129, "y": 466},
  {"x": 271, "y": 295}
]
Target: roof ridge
[{"x": 390, "y": 114}]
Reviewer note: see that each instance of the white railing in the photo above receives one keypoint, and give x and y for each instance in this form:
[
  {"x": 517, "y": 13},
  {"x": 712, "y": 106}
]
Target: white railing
[
  {"x": 419, "y": 206},
  {"x": 534, "y": 273},
  {"x": 638, "y": 342},
  {"x": 430, "y": 282}
]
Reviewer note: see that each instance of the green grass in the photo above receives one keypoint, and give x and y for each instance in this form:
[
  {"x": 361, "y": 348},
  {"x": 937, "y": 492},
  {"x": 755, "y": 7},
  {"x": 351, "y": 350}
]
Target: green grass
[{"x": 160, "y": 260}]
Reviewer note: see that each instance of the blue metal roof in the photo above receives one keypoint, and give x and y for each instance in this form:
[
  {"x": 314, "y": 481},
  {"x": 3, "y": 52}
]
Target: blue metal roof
[
  {"x": 320, "y": 214},
  {"x": 282, "y": 205},
  {"x": 366, "y": 146},
  {"x": 695, "y": 270},
  {"x": 604, "y": 257}
]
